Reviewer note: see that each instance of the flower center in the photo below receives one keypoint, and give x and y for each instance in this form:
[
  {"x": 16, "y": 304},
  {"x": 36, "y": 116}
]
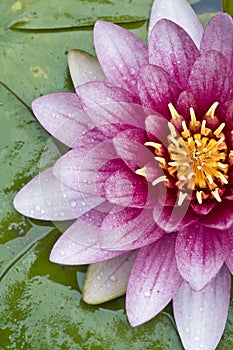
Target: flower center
[{"x": 196, "y": 157}]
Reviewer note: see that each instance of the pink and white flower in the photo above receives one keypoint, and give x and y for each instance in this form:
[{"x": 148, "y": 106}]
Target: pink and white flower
[{"x": 149, "y": 175}]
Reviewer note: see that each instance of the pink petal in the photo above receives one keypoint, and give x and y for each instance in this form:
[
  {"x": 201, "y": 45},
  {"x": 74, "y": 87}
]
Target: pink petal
[
  {"x": 220, "y": 217},
  {"x": 108, "y": 280},
  {"x": 218, "y": 36},
  {"x": 83, "y": 67},
  {"x": 157, "y": 89},
  {"x": 229, "y": 259},
  {"x": 172, "y": 49},
  {"x": 180, "y": 12},
  {"x": 184, "y": 102},
  {"x": 105, "y": 103},
  {"x": 62, "y": 116},
  {"x": 157, "y": 128},
  {"x": 130, "y": 147},
  {"x": 201, "y": 316},
  {"x": 45, "y": 198},
  {"x": 211, "y": 79},
  {"x": 86, "y": 169},
  {"x": 125, "y": 188},
  {"x": 173, "y": 218},
  {"x": 120, "y": 53},
  {"x": 200, "y": 253},
  {"x": 75, "y": 248},
  {"x": 128, "y": 228},
  {"x": 153, "y": 282}
]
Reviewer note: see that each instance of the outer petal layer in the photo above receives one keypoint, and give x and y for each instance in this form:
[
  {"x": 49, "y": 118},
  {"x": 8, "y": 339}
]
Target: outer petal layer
[
  {"x": 153, "y": 281},
  {"x": 108, "y": 280},
  {"x": 200, "y": 253},
  {"x": 75, "y": 248},
  {"x": 180, "y": 12},
  {"x": 84, "y": 67},
  {"x": 62, "y": 116},
  {"x": 201, "y": 316},
  {"x": 113, "y": 44},
  {"x": 45, "y": 198}
]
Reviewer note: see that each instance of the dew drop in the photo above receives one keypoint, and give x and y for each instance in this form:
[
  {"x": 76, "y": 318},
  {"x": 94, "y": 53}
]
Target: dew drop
[
  {"x": 132, "y": 71},
  {"x": 73, "y": 204},
  {"x": 147, "y": 294},
  {"x": 98, "y": 277},
  {"x": 112, "y": 278},
  {"x": 37, "y": 208},
  {"x": 120, "y": 65},
  {"x": 48, "y": 203},
  {"x": 201, "y": 309},
  {"x": 133, "y": 82},
  {"x": 196, "y": 338},
  {"x": 62, "y": 252},
  {"x": 187, "y": 330}
]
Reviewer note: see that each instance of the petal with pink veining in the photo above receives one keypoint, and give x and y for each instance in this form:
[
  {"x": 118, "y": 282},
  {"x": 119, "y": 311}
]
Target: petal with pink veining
[
  {"x": 211, "y": 79},
  {"x": 180, "y": 12},
  {"x": 75, "y": 248},
  {"x": 154, "y": 280},
  {"x": 123, "y": 227},
  {"x": 172, "y": 49},
  {"x": 83, "y": 67},
  {"x": 105, "y": 103},
  {"x": 45, "y": 198},
  {"x": 218, "y": 36},
  {"x": 201, "y": 316},
  {"x": 108, "y": 280},
  {"x": 200, "y": 254},
  {"x": 86, "y": 169},
  {"x": 129, "y": 145},
  {"x": 62, "y": 116},
  {"x": 120, "y": 53},
  {"x": 157, "y": 88}
]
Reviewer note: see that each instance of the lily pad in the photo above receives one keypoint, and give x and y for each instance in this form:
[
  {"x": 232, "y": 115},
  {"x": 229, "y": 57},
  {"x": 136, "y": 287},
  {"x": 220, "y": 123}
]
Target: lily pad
[
  {"x": 41, "y": 302},
  {"x": 228, "y": 6}
]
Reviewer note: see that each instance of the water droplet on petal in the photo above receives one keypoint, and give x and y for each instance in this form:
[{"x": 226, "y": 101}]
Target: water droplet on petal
[
  {"x": 73, "y": 204},
  {"x": 62, "y": 252},
  {"x": 196, "y": 338},
  {"x": 112, "y": 278},
  {"x": 37, "y": 208},
  {"x": 147, "y": 294}
]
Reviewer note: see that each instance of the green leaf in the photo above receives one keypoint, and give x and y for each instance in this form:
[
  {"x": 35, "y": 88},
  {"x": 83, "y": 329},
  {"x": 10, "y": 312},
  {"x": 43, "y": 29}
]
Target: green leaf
[
  {"x": 35, "y": 14},
  {"x": 43, "y": 309},
  {"x": 228, "y": 6}
]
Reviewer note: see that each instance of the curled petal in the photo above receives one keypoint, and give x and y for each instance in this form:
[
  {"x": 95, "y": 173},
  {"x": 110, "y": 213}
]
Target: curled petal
[
  {"x": 172, "y": 49},
  {"x": 180, "y": 12},
  {"x": 200, "y": 254},
  {"x": 113, "y": 44},
  {"x": 201, "y": 316},
  {"x": 154, "y": 280},
  {"x": 83, "y": 67},
  {"x": 108, "y": 280}
]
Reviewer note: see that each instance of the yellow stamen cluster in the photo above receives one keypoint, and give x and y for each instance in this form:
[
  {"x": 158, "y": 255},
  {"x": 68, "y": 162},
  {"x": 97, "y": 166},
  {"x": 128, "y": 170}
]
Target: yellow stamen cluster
[{"x": 198, "y": 156}]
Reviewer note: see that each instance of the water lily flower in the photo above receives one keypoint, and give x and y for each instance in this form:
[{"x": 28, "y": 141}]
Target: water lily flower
[{"x": 148, "y": 176}]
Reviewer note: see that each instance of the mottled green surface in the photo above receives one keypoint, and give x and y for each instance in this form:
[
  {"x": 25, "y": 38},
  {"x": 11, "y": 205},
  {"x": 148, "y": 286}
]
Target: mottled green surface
[
  {"x": 40, "y": 302},
  {"x": 228, "y": 6}
]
